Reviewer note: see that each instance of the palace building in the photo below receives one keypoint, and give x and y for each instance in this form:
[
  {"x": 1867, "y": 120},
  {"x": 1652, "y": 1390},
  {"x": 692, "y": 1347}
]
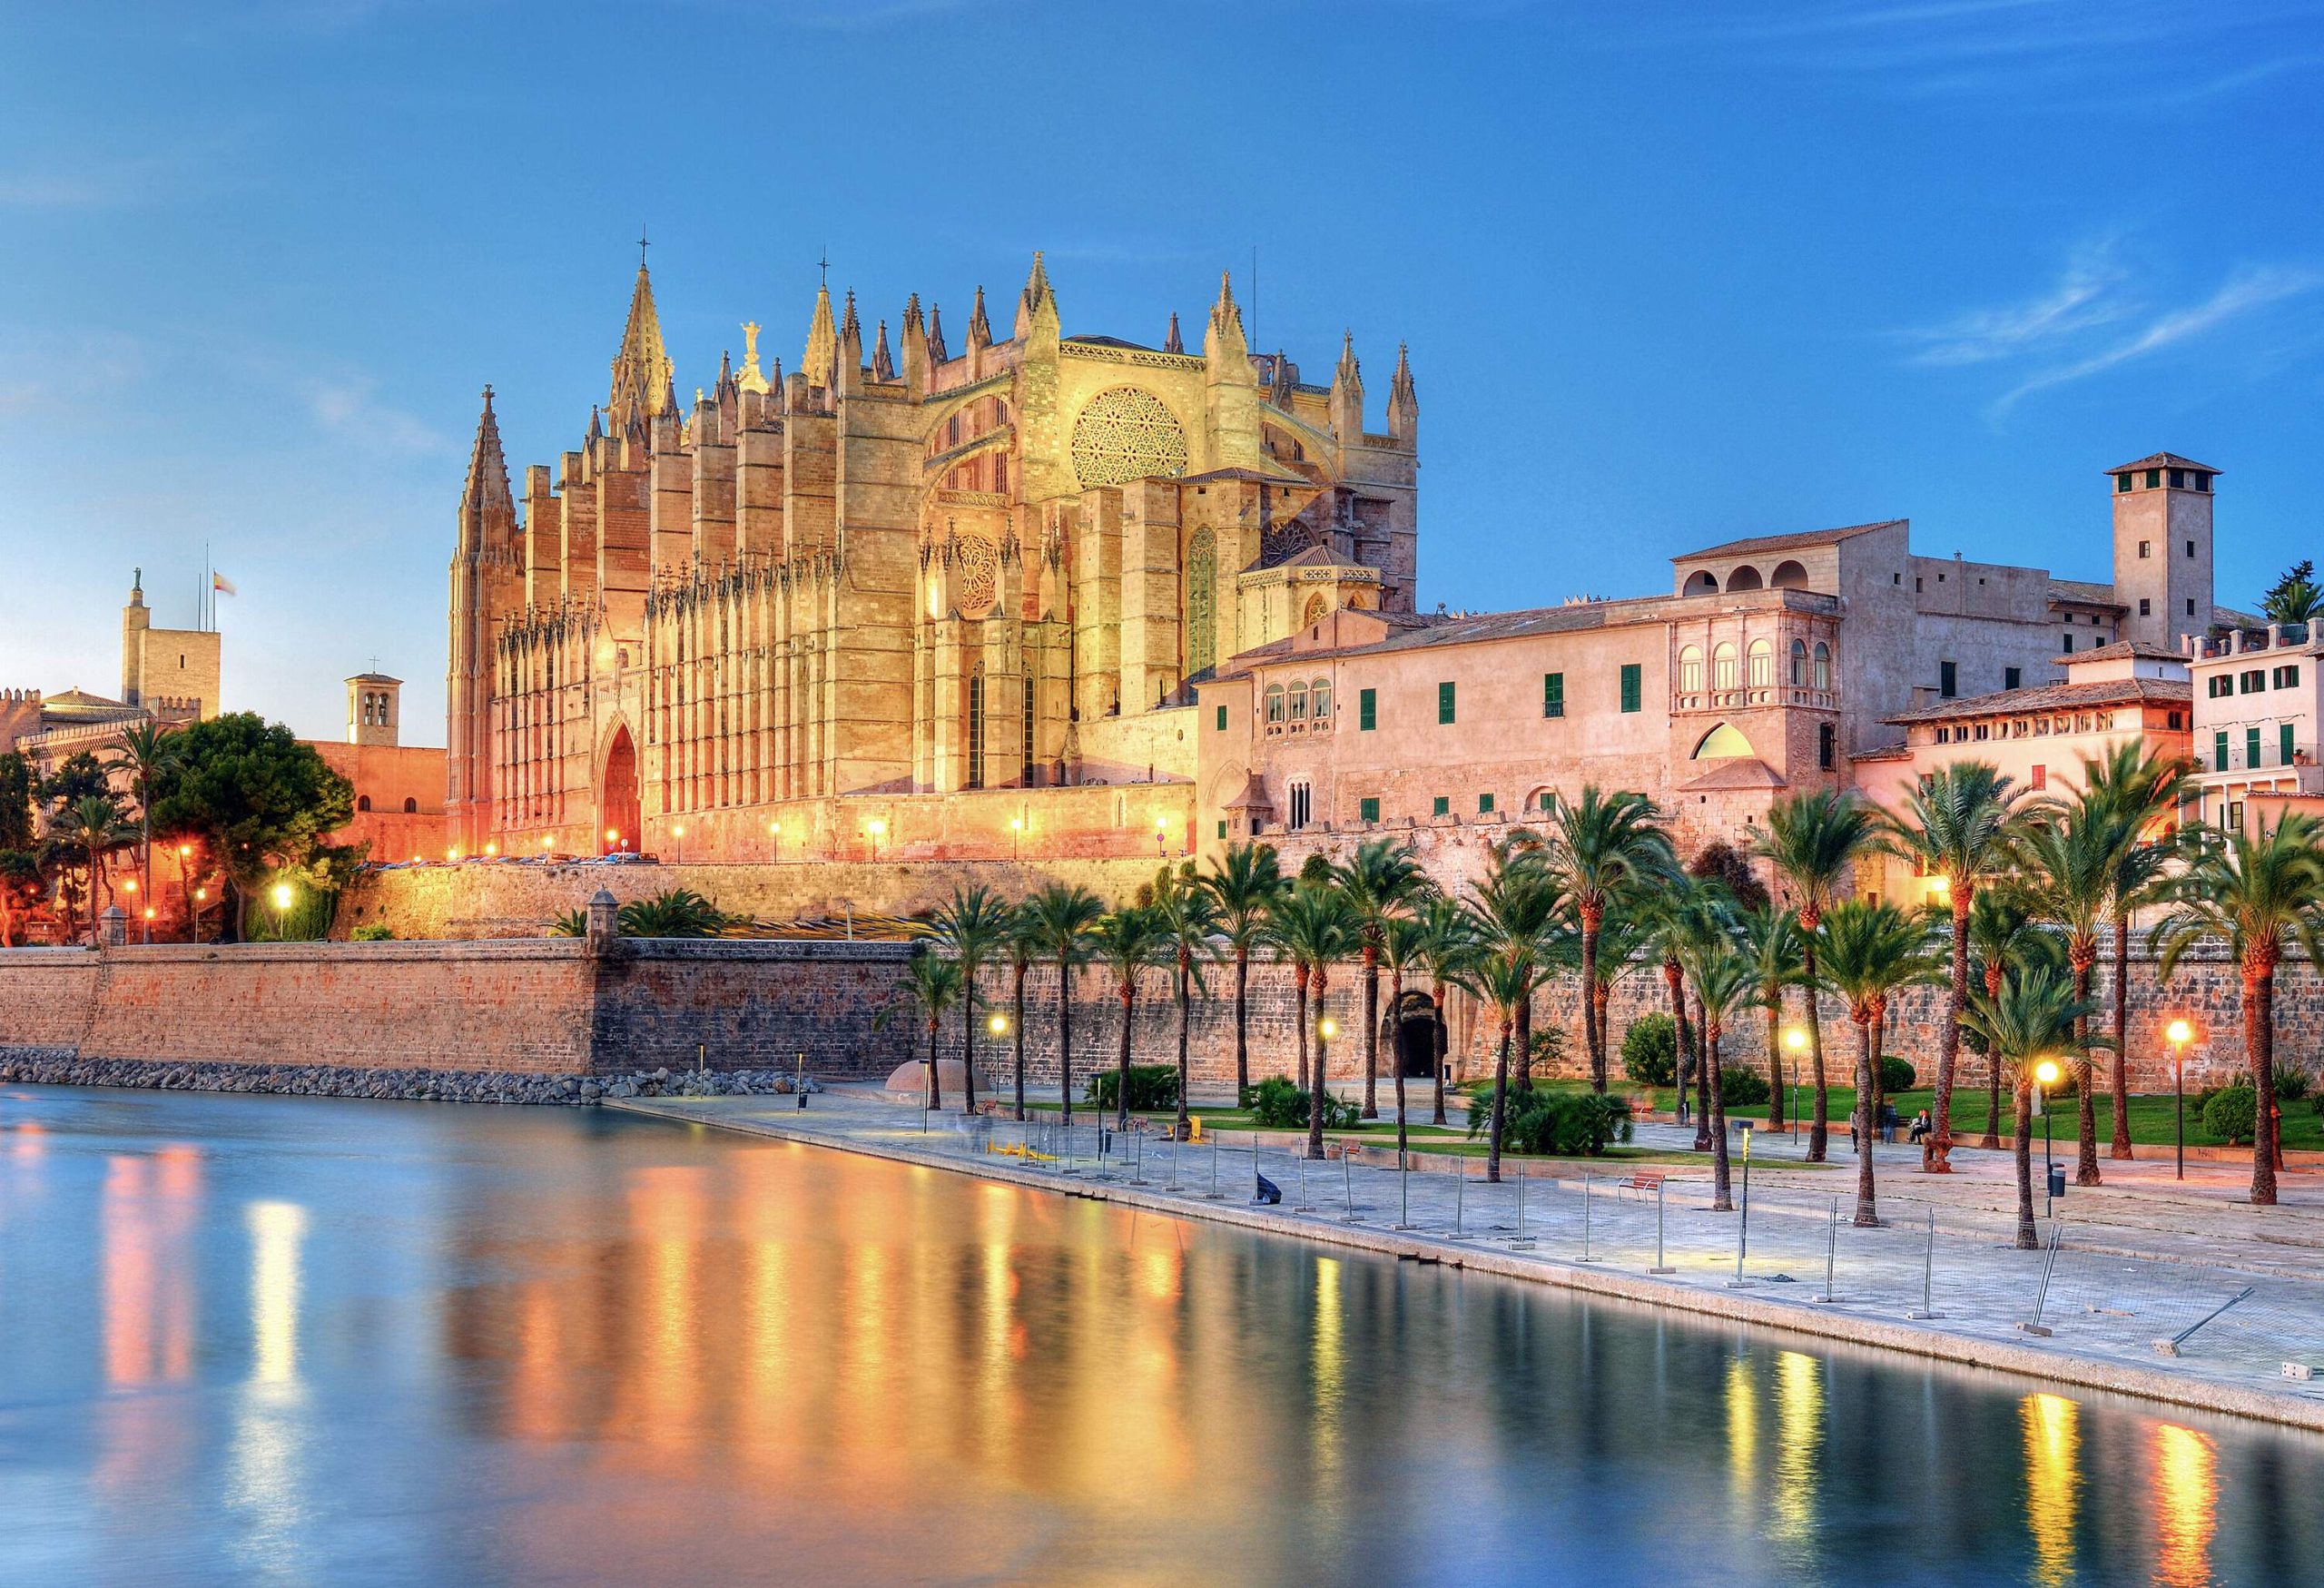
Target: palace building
[{"x": 939, "y": 580}]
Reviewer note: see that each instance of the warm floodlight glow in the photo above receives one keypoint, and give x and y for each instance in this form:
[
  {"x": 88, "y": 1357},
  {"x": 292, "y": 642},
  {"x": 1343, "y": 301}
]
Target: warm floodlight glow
[
  {"x": 200, "y": 894},
  {"x": 1940, "y": 884},
  {"x": 680, "y": 829},
  {"x": 1328, "y": 1027},
  {"x": 129, "y": 886},
  {"x": 452, "y": 855},
  {"x": 612, "y": 836},
  {"x": 2180, "y": 1032},
  {"x": 1015, "y": 823},
  {"x": 184, "y": 850},
  {"x": 2046, "y": 1072},
  {"x": 1794, "y": 1039},
  {"x": 283, "y": 895},
  {"x": 1161, "y": 823},
  {"x": 875, "y": 827},
  {"x": 151, "y": 912},
  {"x": 492, "y": 848},
  {"x": 997, "y": 1024}
]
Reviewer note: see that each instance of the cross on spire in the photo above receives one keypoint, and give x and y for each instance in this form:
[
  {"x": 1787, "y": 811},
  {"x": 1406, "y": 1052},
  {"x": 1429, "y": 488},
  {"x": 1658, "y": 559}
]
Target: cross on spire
[
  {"x": 641, "y": 245},
  {"x": 823, "y": 264}
]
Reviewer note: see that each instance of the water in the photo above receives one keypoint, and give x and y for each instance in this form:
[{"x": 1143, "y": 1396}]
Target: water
[{"x": 250, "y": 1340}]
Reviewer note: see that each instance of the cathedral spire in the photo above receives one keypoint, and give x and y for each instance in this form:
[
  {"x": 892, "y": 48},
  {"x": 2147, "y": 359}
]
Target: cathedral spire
[
  {"x": 642, "y": 368},
  {"x": 817, "y": 363},
  {"x": 883, "y": 366},
  {"x": 487, "y": 482},
  {"x": 1404, "y": 401},
  {"x": 1173, "y": 343},
  {"x": 1224, "y": 339},
  {"x": 937, "y": 351},
  {"x": 1036, "y": 304},
  {"x": 1347, "y": 393},
  {"x": 979, "y": 328}
]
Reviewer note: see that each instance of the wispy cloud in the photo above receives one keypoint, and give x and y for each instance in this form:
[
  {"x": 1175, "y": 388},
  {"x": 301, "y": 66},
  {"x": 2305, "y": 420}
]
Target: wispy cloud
[
  {"x": 2083, "y": 296},
  {"x": 2243, "y": 293},
  {"x": 348, "y": 406}
]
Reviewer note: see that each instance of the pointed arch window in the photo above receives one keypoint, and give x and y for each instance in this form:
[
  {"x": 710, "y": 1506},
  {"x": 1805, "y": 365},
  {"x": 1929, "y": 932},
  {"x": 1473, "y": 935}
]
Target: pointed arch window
[
  {"x": 1202, "y": 601},
  {"x": 1723, "y": 743},
  {"x": 975, "y": 727}
]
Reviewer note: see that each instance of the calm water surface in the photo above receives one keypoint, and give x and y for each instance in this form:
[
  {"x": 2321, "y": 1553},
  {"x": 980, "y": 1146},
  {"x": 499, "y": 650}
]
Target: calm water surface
[{"x": 250, "y": 1340}]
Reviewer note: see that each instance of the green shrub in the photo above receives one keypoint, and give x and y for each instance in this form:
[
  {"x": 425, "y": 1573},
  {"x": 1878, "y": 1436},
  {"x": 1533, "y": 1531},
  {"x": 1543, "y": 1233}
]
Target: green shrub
[
  {"x": 1280, "y": 1104},
  {"x": 377, "y": 931},
  {"x": 1556, "y": 1123},
  {"x": 1650, "y": 1050},
  {"x": 2292, "y": 1083},
  {"x": 1152, "y": 1087},
  {"x": 2230, "y": 1115},
  {"x": 1896, "y": 1074},
  {"x": 1743, "y": 1087},
  {"x": 673, "y": 913}
]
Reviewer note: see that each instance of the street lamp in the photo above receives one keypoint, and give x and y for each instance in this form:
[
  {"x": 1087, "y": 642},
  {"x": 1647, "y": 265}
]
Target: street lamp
[
  {"x": 774, "y": 830},
  {"x": 996, "y": 1024},
  {"x": 491, "y": 846},
  {"x": 613, "y": 840},
  {"x": 2180, "y": 1034},
  {"x": 1326, "y": 1028},
  {"x": 1161, "y": 826},
  {"x": 1796, "y": 1039},
  {"x": 875, "y": 827},
  {"x": 282, "y": 903},
  {"x": 2045, "y": 1076},
  {"x": 680, "y": 831},
  {"x": 1016, "y": 837}
]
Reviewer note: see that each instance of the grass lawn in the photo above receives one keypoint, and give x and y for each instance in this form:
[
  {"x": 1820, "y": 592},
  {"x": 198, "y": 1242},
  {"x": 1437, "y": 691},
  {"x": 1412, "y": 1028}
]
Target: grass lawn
[{"x": 2151, "y": 1116}]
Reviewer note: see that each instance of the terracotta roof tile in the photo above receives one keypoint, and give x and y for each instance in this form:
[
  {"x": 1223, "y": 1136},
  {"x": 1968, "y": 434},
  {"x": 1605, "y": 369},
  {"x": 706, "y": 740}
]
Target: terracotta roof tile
[
  {"x": 1757, "y": 545},
  {"x": 2055, "y": 697}
]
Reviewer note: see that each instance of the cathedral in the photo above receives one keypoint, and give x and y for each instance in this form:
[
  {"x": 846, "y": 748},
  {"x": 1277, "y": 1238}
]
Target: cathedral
[{"x": 900, "y": 570}]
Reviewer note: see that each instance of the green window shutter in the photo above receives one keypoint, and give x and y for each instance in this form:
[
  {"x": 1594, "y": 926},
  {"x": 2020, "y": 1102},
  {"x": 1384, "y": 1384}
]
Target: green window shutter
[
  {"x": 1222, "y": 719},
  {"x": 2219, "y": 761},
  {"x": 1222, "y": 830},
  {"x": 1633, "y": 691},
  {"x": 1369, "y": 810},
  {"x": 1442, "y": 805},
  {"x": 1367, "y": 710},
  {"x": 1485, "y": 804},
  {"x": 2283, "y": 742},
  {"x": 2250, "y": 747},
  {"x": 1445, "y": 702},
  {"x": 1553, "y": 695}
]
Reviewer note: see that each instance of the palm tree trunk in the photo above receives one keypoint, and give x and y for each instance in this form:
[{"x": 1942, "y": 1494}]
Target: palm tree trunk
[
  {"x": 935, "y": 1081},
  {"x": 1775, "y": 1063},
  {"x": 1681, "y": 1039},
  {"x": 1020, "y": 1041},
  {"x": 2259, "y": 1048},
  {"x": 1300, "y": 978},
  {"x": 1991, "y": 1140},
  {"x": 2085, "y": 1171},
  {"x": 1440, "y": 1042},
  {"x": 1702, "y": 1079},
  {"x": 1594, "y": 1039},
  {"x": 1523, "y": 1038},
  {"x": 2120, "y": 1148},
  {"x": 2022, "y": 1151},
  {"x": 1121, "y": 1074},
  {"x": 1371, "y": 1030},
  {"x": 1500, "y": 1100},
  {"x": 1242, "y": 1031},
  {"x": 1867, "y": 1210},
  {"x": 1396, "y": 1050},
  {"x": 968, "y": 1040},
  {"x": 1186, "y": 1023},
  {"x": 1937, "y": 1154},
  {"x": 1819, "y": 1129},
  {"x": 1597, "y": 1001},
  {"x": 1064, "y": 1043},
  {"x": 1722, "y": 1197},
  {"x": 1319, "y": 1095}
]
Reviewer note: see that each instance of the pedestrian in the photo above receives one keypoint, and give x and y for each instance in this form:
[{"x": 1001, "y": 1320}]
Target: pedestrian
[
  {"x": 1889, "y": 1121},
  {"x": 1922, "y": 1125}
]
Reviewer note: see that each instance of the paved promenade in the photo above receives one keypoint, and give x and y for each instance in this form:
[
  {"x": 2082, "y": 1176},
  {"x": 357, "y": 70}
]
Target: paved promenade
[{"x": 2135, "y": 1263}]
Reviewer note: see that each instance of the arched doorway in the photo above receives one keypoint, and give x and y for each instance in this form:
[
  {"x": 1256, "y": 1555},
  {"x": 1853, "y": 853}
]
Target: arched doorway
[
  {"x": 1414, "y": 1034},
  {"x": 618, "y": 792}
]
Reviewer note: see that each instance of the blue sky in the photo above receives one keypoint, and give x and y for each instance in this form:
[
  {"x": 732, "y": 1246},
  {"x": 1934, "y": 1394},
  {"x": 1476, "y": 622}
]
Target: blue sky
[{"x": 1669, "y": 274}]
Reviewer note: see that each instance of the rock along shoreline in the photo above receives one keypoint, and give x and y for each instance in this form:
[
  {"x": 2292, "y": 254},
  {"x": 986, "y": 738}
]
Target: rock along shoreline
[{"x": 63, "y": 1067}]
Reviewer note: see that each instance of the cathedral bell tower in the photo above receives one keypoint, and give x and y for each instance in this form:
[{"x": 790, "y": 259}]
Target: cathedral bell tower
[{"x": 2162, "y": 547}]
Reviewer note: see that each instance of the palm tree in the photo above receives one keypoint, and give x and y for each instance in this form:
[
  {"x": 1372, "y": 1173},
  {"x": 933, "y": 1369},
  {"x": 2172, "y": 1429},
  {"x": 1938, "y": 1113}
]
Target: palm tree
[
  {"x": 1126, "y": 940},
  {"x": 931, "y": 985},
  {"x": 1814, "y": 840},
  {"x": 673, "y": 913},
  {"x": 2021, "y": 1021},
  {"x": 1623, "y": 938},
  {"x": 1503, "y": 979},
  {"x": 1380, "y": 883},
  {"x": 1871, "y": 950},
  {"x": 1186, "y": 923},
  {"x": 1670, "y": 914},
  {"x": 1724, "y": 980},
  {"x": 2265, "y": 896},
  {"x": 1770, "y": 940},
  {"x": 2006, "y": 942},
  {"x": 1402, "y": 947},
  {"x": 1446, "y": 944},
  {"x": 147, "y": 751},
  {"x": 974, "y": 923},
  {"x": 2143, "y": 790},
  {"x": 1244, "y": 884},
  {"x": 1059, "y": 918},
  {"x": 1312, "y": 927},
  {"x": 1955, "y": 826},
  {"x": 1598, "y": 847},
  {"x": 92, "y": 828},
  {"x": 1023, "y": 946},
  {"x": 2064, "y": 874}
]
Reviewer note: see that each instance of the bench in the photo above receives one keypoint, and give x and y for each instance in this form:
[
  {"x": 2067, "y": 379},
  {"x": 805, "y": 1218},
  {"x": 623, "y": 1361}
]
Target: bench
[{"x": 1641, "y": 1180}]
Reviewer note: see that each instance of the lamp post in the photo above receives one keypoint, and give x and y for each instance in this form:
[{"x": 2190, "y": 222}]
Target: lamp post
[
  {"x": 281, "y": 895},
  {"x": 679, "y": 832},
  {"x": 1794, "y": 1039},
  {"x": 2180, "y": 1033},
  {"x": 875, "y": 827},
  {"x": 1326, "y": 1028},
  {"x": 185, "y": 894},
  {"x": 613, "y": 840},
  {"x": 774, "y": 830},
  {"x": 2045, "y": 1076},
  {"x": 1161, "y": 826},
  {"x": 1017, "y": 838}
]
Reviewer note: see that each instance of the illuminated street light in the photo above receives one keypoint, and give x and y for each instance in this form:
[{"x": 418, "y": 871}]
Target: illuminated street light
[
  {"x": 282, "y": 896},
  {"x": 679, "y": 832},
  {"x": 997, "y": 1023},
  {"x": 2045, "y": 1076},
  {"x": 2180, "y": 1034},
  {"x": 875, "y": 827}
]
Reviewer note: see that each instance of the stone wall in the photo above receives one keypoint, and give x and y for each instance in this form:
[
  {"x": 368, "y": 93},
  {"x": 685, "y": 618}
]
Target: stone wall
[
  {"x": 544, "y": 1006},
  {"x": 514, "y": 899}
]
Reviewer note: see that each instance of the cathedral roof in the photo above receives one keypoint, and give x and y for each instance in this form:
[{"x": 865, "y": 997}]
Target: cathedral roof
[
  {"x": 1759, "y": 545},
  {"x": 642, "y": 368}
]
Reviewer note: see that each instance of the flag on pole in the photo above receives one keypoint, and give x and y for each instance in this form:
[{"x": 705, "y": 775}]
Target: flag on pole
[{"x": 222, "y": 584}]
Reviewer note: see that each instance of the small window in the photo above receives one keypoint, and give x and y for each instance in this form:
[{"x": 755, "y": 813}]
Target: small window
[
  {"x": 2221, "y": 684},
  {"x": 2069, "y": 645},
  {"x": 1722, "y": 666},
  {"x": 2013, "y": 677},
  {"x": 1484, "y": 801},
  {"x": 1759, "y": 664},
  {"x": 362, "y": 802},
  {"x": 2146, "y": 607},
  {"x": 2178, "y": 479},
  {"x": 1944, "y": 735},
  {"x": 1319, "y": 697},
  {"x": 1367, "y": 710},
  {"x": 2253, "y": 681},
  {"x": 1368, "y": 810},
  {"x": 2202, "y": 481},
  {"x": 1222, "y": 830},
  {"x": 2284, "y": 744},
  {"x": 1442, "y": 805},
  {"x": 2191, "y": 548},
  {"x": 1445, "y": 711},
  {"x": 1633, "y": 692},
  {"x": 1275, "y": 704},
  {"x": 1823, "y": 666},
  {"x": 1297, "y": 696},
  {"x": 1948, "y": 680},
  {"x": 2153, "y": 478},
  {"x": 2040, "y": 776},
  {"x": 1302, "y": 805},
  {"x": 1799, "y": 664},
  {"x": 1826, "y": 747},
  {"x": 410, "y": 806},
  {"x": 1553, "y": 695},
  {"x": 1222, "y": 719},
  {"x": 2191, "y": 606},
  {"x": 1549, "y": 798},
  {"x": 1690, "y": 670},
  {"x": 2174, "y": 719},
  {"x": 2287, "y": 677},
  {"x": 2218, "y": 750},
  {"x": 2122, "y": 482},
  {"x": 2250, "y": 748},
  {"x": 2146, "y": 549}
]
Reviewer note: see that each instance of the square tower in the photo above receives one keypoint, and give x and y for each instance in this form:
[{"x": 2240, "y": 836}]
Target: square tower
[
  {"x": 166, "y": 669},
  {"x": 373, "y": 708},
  {"x": 2162, "y": 547}
]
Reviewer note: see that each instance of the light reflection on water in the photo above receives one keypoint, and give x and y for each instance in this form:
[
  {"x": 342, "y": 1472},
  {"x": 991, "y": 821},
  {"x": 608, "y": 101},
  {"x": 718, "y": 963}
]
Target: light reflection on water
[{"x": 300, "y": 1341}]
